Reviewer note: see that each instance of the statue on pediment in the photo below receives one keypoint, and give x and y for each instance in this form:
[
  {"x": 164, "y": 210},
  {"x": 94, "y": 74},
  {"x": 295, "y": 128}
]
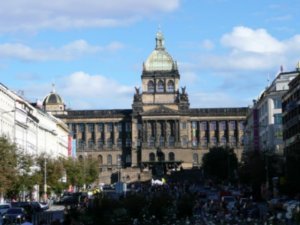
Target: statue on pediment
[
  {"x": 184, "y": 96},
  {"x": 137, "y": 95}
]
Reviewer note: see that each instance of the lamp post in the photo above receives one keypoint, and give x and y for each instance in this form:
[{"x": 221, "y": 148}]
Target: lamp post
[
  {"x": 119, "y": 167},
  {"x": 45, "y": 179}
]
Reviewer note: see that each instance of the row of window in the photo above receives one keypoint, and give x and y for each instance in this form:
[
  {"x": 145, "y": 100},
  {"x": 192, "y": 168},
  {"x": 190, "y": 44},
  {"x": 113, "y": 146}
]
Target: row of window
[
  {"x": 162, "y": 142},
  {"x": 100, "y": 143},
  {"x": 217, "y": 125},
  {"x": 100, "y": 127},
  {"x": 160, "y": 86},
  {"x": 204, "y": 125}
]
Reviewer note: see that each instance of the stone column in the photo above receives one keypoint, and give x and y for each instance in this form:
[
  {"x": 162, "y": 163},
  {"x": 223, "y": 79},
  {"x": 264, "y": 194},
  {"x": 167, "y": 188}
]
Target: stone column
[{"x": 177, "y": 132}]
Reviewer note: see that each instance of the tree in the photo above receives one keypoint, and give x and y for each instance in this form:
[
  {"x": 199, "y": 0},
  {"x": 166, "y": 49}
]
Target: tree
[
  {"x": 8, "y": 165},
  {"x": 81, "y": 172},
  {"x": 220, "y": 163},
  {"x": 252, "y": 171},
  {"x": 53, "y": 169},
  {"x": 27, "y": 175}
]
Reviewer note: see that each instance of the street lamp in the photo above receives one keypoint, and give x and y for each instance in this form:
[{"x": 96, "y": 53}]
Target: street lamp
[
  {"x": 119, "y": 167},
  {"x": 45, "y": 179}
]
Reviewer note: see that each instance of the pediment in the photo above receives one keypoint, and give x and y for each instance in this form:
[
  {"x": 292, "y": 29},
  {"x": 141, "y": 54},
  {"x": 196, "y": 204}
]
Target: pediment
[{"x": 162, "y": 110}]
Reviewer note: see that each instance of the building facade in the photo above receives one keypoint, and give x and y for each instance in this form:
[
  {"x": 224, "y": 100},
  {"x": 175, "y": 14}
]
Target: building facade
[
  {"x": 33, "y": 130},
  {"x": 264, "y": 120},
  {"x": 291, "y": 112},
  {"x": 160, "y": 132}
]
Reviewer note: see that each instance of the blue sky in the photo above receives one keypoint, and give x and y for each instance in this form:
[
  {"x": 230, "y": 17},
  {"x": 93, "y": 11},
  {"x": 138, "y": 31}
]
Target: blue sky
[{"x": 93, "y": 50}]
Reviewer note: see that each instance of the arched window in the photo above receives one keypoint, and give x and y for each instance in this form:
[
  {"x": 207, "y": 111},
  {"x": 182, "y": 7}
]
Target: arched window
[
  {"x": 150, "y": 86},
  {"x": 170, "y": 86},
  {"x": 100, "y": 159},
  {"x": 80, "y": 158},
  {"x": 109, "y": 159},
  {"x": 171, "y": 156},
  {"x": 160, "y": 86},
  {"x": 152, "y": 157}
]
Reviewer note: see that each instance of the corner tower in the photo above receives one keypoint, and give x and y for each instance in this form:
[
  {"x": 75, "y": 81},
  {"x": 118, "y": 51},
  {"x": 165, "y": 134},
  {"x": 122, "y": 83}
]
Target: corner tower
[{"x": 160, "y": 80}]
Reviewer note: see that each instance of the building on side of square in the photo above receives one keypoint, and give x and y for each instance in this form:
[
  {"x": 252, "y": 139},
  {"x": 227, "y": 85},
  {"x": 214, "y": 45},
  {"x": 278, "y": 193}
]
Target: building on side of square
[
  {"x": 264, "y": 124},
  {"x": 291, "y": 112},
  {"x": 34, "y": 131},
  {"x": 160, "y": 133}
]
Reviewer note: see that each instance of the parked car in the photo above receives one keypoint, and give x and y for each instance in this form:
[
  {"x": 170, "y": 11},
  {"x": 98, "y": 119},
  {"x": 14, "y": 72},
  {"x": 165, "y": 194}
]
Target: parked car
[
  {"x": 4, "y": 207},
  {"x": 14, "y": 215},
  {"x": 30, "y": 207}
]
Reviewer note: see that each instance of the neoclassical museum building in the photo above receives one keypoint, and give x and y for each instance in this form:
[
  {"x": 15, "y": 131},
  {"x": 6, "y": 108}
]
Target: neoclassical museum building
[{"x": 159, "y": 133}]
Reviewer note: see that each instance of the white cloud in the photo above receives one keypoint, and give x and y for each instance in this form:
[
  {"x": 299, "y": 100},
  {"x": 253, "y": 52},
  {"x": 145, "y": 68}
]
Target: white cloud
[
  {"x": 244, "y": 39},
  {"x": 66, "y": 52},
  {"x": 34, "y": 14},
  {"x": 100, "y": 91},
  {"x": 250, "y": 49}
]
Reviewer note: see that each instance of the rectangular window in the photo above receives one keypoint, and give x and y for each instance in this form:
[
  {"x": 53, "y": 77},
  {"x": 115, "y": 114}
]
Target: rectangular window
[
  {"x": 91, "y": 143},
  {"x": 183, "y": 125},
  {"x": 100, "y": 127},
  {"x": 204, "y": 142},
  {"x": 241, "y": 125},
  {"x": 81, "y": 127},
  {"x": 109, "y": 143},
  {"x": 151, "y": 142},
  {"x": 203, "y": 126},
  {"x": 119, "y": 143},
  {"x": 222, "y": 125},
  {"x": 91, "y": 127},
  {"x": 184, "y": 141},
  {"x": 161, "y": 141},
  {"x": 212, "y": 125},
  {"x": 278, "y": 118},
  {"x": 139, "y": 126},
  {"x": 194, "y": 124},
  {"x": 195, "y": 143},
  {"x": 81, "y": 143},
  {"x": 232, "y": 140},
  {"x": 232, "y": 125},
  {"x": 100, "y": 143},
  {"x": 128, "y": 127},
  {"x": 109, "y": 127},
  {"x": 138, "y": 142},
  {"x": 171, "y": 141},
  {"x": 73, "y": 128},
  {"x": 120, "y": 127},
  {"x": 213, "y": 141},
  {"x": 277, "y": 103},
  {"x": 128, "y": 142}
]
